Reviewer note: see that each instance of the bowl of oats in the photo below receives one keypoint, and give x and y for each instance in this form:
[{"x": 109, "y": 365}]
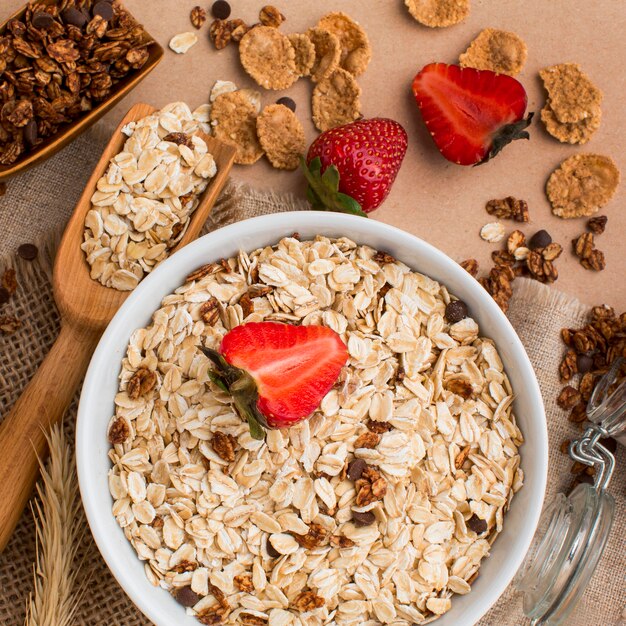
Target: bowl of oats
[{"x": 333, "y": 425}]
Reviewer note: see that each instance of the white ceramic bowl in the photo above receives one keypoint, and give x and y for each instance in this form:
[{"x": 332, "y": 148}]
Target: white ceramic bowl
[{"x": 101, "y": 384}]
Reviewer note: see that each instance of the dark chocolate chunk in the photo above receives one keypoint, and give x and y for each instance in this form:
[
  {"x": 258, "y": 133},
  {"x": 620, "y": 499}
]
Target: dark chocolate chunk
[
  {"x": 456, "y": 311},
  {"x": 271, "y": 550},
  {"x": 42, "y": 19},
  {"x": 288, "y": 102},
  {"x": 104, "y": 9},
  {"x": 363, "y": 519},
  {"x": 479, "y": 526},
  {"x": 584, "y": 363},
  {"x": 73, "y": 16},
  {"x": 187, "y": 597},
  {"x": 220, "y": 10},
  {"x": 540, "y": 239},
  {"x": 30, "y": 133},
  {"x": 28, "y": 251},
  {"x": 355, "y": 469}
]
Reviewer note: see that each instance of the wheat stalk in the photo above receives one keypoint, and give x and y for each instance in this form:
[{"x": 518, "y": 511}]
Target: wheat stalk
[{"x": 58, "y": 535}]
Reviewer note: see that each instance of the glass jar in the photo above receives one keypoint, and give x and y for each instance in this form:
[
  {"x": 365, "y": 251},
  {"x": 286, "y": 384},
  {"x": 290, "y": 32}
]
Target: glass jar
[{"x": 573, "y": 530}]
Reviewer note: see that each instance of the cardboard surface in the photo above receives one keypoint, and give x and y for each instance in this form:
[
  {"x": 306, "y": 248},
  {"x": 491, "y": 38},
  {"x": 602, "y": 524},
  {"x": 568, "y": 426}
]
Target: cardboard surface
[{"x": 439, "y": 201}]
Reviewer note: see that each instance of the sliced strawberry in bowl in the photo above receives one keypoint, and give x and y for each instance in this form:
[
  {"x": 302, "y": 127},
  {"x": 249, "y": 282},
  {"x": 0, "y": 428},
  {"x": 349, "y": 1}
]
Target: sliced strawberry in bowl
[
  {"x": 470, "y": 114},
  {"x": 277, "y": 373}
]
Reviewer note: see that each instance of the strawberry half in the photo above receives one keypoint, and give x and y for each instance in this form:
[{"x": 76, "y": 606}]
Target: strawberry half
[
  {"x": 277, "y": 373},
  {"x": 351, "y": 168},
  {"x": 471, "y": 114}
]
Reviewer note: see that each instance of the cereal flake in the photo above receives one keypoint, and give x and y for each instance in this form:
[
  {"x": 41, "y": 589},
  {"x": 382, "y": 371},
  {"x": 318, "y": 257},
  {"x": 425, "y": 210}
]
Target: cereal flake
[
  {"x": 571, "y": 132},
  {"x": 305, "y": 53},
  {"x": 281, "y": 135},
  {"x": 327, "y": 53},
  {"x": 336, "y": 100},
  {"x": 356, "y": 51},
  {"x": 438, "y": 13},
  {"x": 496, "y": 50}
]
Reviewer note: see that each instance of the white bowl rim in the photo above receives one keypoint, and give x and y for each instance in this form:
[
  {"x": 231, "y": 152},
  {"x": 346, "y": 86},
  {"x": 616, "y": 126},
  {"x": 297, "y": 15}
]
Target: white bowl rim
[{"x": 283, "y": 224}]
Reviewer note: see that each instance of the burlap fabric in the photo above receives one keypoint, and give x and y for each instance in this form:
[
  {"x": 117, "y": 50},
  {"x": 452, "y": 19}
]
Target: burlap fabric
[{"x": 537, "y": 312}]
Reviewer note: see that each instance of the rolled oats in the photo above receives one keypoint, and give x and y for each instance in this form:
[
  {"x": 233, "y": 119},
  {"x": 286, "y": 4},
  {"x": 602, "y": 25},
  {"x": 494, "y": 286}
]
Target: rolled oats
[
  {"x": 493, "y": 232},
  {"x": 183, "y": 42},
  {"x": 307, "y": 524},
  {"x": 143, "y": 203}
]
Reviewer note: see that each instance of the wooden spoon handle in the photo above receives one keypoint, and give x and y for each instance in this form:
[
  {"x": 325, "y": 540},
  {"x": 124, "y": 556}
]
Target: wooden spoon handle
[{"x": 42, "y": 403}]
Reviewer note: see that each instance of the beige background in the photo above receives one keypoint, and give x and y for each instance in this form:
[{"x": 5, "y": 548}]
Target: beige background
[{"x": 432, "y": 198}]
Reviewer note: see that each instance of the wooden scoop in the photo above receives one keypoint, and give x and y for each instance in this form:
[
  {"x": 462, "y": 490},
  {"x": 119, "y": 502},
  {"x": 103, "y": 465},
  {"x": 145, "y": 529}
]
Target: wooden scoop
[{"x": 86, "y": 307}]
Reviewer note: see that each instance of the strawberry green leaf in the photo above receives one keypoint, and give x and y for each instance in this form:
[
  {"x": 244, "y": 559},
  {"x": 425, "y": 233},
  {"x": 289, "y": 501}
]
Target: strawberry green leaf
[
  {"x": 218, "y": 381},
  {"x": 323, "y": 190},
  {"x": 507, "y": 134}
]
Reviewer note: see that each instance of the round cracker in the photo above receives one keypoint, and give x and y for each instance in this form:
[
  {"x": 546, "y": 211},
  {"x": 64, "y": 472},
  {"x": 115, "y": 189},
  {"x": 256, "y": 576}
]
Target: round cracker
[
  {"x": 327, "y": 53},
  {"x": 578, "y": 132},
  {"x": 281, "y": 136},
  {"x": 572, "y": 95},
  {"x": 582, "y": 184},
  {"x": 356, "y": 51},
  {"x": 336, "y": 100},
  {"x": 438, "y": 13},
  {"x": 233, "y": 118},
  {"x": 305, "y": 53},
  {"x": 497, "y": 50},
  {"x": 268, "y": 57}
]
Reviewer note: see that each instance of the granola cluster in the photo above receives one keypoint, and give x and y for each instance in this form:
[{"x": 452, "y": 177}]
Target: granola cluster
[
  {"x": 58, "y": 62},
  {"x": 380, "y": 506}
]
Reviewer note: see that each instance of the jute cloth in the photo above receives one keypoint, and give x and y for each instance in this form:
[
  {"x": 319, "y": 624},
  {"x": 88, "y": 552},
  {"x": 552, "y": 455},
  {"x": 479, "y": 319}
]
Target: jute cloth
[{"x": 537, "y": 312}]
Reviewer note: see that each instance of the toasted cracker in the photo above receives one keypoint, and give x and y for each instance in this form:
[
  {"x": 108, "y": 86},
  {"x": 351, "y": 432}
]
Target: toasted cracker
[
  {"x": 438, "y": 13},
  {"x": 233, "y": 118},
  {"x": 578, "y": 132},
  {"x": 571, "y": 94},
  {"x": 268, "y": 56},
  {"x": 336, "y": 100},
  {"x": 582, "y": 184},
  {"x": 281, "y": 136},
  {"x": 356, "y": 51},
  {"x": 327, "y": 53},
  {"x": 497, "y": 50},
  {"x": 305, "y": 53}
]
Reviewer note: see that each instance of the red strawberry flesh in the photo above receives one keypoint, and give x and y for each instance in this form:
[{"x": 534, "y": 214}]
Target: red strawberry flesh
[
  {"x": 294, "y": 367},
  {"x": 470, "y": 113}
]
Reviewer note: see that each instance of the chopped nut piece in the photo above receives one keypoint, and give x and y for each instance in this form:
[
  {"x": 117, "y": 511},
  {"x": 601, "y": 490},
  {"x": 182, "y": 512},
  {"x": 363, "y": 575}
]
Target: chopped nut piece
[
  {"x": 568, "y": 398},
  {"x": 470, "y": 266},
  {"x": 9, "y": 324},
  {"x": 370, "y": 487},
  {"x": 339, "y": 541},
  {"x": 367, "y": 440},
  {"x": 224, "y": 445},
  {"x": 508, "y": 208},
  {"x": 185, "y": 566},
  {"x": 382, "y": 258},
  {"x": 220, "y": 33},
  {"x": 270, "y": 16},
  {"x": 244, "y": 583},
  {"x": 568, "y": 366},
  {"x": 460, "y": 387},
  {"x": 197, "y": 17},
  {"x": 256, "y": 291},
  {"x": 119, "y": 431},
  {"x": 552, "y": 251},
  {"x": 578, "y": 413},
  {"x": 516, "y": 240},
  {"x": 595, "y": 261},
  {"x": 247, "y": 619},
  {"x": 246, "y": 304},
  {"x": 210, "y": 312},
  {"x": 590, "y": 257},
  {"x": 9, "y": 280},
  {"x": 141, "y": 383},
  {"x": 379, "y": 427},
  {"x": 315, "y": 537},
  {"x": 461, "y": 457},
  {"x": 308, "y": 601},
  {"x": 597, "y": 224},
  {"x": 238, "y": 28}
]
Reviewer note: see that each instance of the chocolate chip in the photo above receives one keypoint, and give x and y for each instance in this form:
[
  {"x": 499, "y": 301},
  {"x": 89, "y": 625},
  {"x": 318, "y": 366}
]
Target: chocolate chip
[
  {"x": 610, "y": 444},
  {"x": 187, "y": 597},
  {"x": 363, "y": 519},
  {"x": 41, "y": 19},
  {"x": 271, "y": 550},
  {"x": 584, "y": 363},
  {"x": 456, "y": 311},
  {"x": 104, "y": 10},
  {"x": 30, "y": 133},
  {"x": 288, "y": 102},
  {"x": 73, "y": 16},
  {"x": 28, "y": 251},
  {"x": 220, "y": 10},
  {"x": 355, "y": 469},
  {"x": 479, "y": 526},
  {"x": 540, "y": 239},
  {"x": 4, "y": 296}
]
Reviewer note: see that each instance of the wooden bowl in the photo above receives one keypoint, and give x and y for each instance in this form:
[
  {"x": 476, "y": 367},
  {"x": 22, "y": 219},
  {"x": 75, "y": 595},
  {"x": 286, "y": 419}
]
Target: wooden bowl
[{"x": 68, "y": 132}]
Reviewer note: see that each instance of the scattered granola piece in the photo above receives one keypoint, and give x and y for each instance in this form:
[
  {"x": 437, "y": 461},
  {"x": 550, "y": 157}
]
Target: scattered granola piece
[
  {"x": 509, "y": 208},
  {"x": 305, "y": 53},
  {"x": 233, "y": 117},
  {"x": 308, "y": 601},
  {"x": 339, "y": 541},
  {"x": 243, "y": 582},
  {"x": 497, "y": 50},
  {"x": 515, "y": 240},
  {"x": 582, "y": 184},
  {"x": 336, "y": 100},
  {"x": 142, "y": 382},
  {"x": 268, "y": 57},
  {"x": 492, "y": 232},
  {"x": 9, "y": 324},
  {"x": 224, "y": 445},
  {"x": 220, "y": 33},
  {"x": 470, "y": 266},
  {"x": 315, "y": 537},
  {"x": 327, "y": 53},
  {"x": 367, "y": 440},
  {"x": 9, "y": 280},
  {"x": 590, "y": 257},
  {"x": 571, "y": 95},
  {"x": 356, "y": 51},
  {"x": 571, "y": 132},
  {"x": 460, "y": 387},
  {"x": 568, "y": 398},
  {"x": 270, "y": 16},
  {"x": 281, "y": 135},
  {"x": 597, "y": 224},
  {"x": 238, "y": 28},
  {"x": 438, "y": 13},
  {"x": 197, "y": 17},
  {"x": 119, "y": 431},
  {"x": 182, "y": 42}
]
